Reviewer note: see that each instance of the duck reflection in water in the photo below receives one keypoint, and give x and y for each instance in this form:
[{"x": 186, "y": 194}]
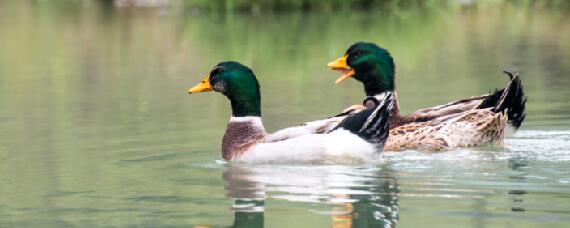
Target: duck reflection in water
[
  {"x": 248, "y": 196},
  {"x": 360, "y": 196},
  {"x": 518, "y": 164}
]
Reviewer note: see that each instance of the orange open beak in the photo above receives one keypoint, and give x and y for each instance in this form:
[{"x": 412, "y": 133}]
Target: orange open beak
[{"x": 340, "y": 65}]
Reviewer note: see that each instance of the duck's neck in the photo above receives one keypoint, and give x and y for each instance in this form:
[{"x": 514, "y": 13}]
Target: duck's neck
[
  {"x": 374, "y": 87},
  {"x": 378, "y": 77},
  {"x": 245, "y": 102},
  {"x": 244, "y": 107},
  {"x": 241, "y": 134}
]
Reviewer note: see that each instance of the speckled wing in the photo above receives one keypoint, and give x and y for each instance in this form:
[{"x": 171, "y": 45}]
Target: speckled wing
[{"x": 513, "y": 93}]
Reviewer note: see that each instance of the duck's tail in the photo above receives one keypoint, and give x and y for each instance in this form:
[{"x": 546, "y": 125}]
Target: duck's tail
[
  {"x": 371, "y": 124},
  {"x": 510, "y": 99}
]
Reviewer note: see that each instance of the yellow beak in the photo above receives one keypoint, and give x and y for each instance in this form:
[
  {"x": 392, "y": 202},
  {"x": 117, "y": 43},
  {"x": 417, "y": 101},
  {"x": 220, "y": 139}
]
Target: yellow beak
[
  {"x": 203, "y": 86},
  {"x": 340, "y": 65}
]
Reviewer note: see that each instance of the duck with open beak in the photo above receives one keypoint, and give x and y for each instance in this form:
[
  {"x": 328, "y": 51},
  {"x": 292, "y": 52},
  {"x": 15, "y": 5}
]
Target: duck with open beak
[{"x": 341, "y": 65}]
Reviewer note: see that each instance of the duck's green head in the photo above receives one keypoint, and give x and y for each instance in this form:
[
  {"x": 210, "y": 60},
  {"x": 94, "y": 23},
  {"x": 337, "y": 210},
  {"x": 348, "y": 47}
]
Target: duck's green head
[
  {"x": 238, "y": 83},
  {"x": 369, "y": 64}
]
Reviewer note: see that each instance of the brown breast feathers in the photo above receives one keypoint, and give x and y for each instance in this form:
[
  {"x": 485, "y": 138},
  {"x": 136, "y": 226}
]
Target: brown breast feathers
[{"x": 239, "y": 137}]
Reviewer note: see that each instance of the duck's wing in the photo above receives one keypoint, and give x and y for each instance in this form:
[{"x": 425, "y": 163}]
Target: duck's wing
[
  {"x": 449, "y": 108},
  {"x": 371, "y": 124},
  {"x": 415, "y": 135},
  {"x": 485, "y": 123},
  {"x": 471, "y": 128},
  {"x": 361, "y": 136},
  {"x": 474, "y": 128},
  {"x": 314, "y": 127},
  {"x": 511, "y": 97}
]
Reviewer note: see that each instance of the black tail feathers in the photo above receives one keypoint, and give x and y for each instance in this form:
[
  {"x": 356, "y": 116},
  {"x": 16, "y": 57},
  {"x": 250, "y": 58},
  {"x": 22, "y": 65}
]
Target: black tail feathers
[
  {"x": 511, "y": 98},
  {"x": 372, "y": 124}
]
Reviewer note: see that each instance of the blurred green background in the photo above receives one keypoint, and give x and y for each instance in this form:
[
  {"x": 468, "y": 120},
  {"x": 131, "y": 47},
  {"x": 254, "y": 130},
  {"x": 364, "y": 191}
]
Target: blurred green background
[{"x": 97, "y": 129}]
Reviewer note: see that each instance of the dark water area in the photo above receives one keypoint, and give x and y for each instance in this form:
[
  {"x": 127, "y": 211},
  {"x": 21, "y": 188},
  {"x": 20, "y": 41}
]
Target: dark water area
[{"x": 96, "y": 127}]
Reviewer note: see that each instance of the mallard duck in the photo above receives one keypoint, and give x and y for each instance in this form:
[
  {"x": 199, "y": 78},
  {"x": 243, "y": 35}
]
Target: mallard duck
[
  {"x": 362, "y": 135},
  {"x": 473, "y": 121}
]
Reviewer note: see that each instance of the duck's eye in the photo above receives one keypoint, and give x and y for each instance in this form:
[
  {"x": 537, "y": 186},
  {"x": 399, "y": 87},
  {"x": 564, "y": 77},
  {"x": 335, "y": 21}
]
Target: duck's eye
[
  {"x": 353, "y": 55},
  {"x": 357, "y": 53}
]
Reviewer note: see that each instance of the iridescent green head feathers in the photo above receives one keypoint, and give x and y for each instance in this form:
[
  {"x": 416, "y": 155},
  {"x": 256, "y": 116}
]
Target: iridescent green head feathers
[
  {"x": 238, "y": 83},
  {"x": 369, "y": 64}
]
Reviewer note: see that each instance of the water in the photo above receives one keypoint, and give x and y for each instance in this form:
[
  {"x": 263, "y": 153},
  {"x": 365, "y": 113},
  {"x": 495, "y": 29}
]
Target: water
[{"x": 97, "y": 129}]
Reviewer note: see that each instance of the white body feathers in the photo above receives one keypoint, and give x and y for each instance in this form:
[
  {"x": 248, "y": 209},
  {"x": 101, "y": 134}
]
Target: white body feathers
[{"x": 306, "y": 147}]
